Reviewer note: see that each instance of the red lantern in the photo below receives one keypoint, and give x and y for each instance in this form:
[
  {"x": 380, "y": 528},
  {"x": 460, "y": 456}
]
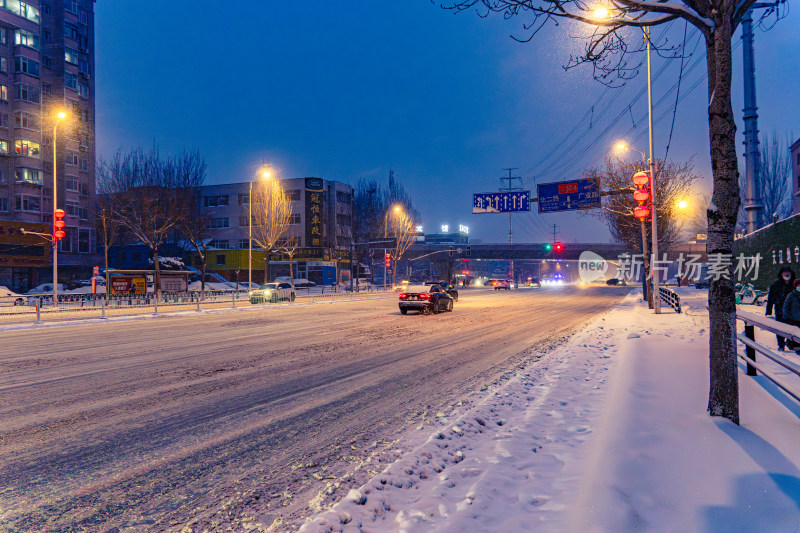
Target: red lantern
[
  {"x": 640, "y": 179},
  {"x": 641, "y": 212},
  {"x": 58, "y": 224},
  {"x": 641, "y": 196}
]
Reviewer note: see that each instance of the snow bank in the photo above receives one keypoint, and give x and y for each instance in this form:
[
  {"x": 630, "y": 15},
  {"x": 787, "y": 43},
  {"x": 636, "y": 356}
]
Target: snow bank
[{"x": 608, "y": 433}]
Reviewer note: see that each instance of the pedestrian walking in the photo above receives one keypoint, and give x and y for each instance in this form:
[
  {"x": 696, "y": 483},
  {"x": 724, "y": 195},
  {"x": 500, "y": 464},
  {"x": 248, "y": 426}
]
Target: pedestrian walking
[
  {"x": 778, "y": 292},
  {"x": 791, "y": 312}
]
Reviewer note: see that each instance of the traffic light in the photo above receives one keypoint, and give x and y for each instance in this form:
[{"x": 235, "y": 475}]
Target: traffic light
[
  {"x": 559, "y": 247},
  {"x": 452, "y": 249},
  {"x": 641, "y": 195},
  {"x": 548, "y": 247},
  {"x": 468, "y": 252},
  {"x": 387, "y": 260},
  {"x": 58, "y": 224}
]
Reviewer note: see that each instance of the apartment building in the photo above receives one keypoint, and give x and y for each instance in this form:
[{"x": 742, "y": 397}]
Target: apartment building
[
  {"x": 46, "y": 67},
  {"x": 795, "y": 154},
  {"x": 321, "y": 227}
]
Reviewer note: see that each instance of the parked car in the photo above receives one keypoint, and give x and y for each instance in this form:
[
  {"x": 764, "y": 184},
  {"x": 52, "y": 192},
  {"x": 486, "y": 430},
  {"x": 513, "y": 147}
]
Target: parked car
[
  {"x": 446, "y": 287},
  {"x": 425, "y": 299},
  {"x": 612, "y": 281},
  {"x": 272, "y": 292},
  {"x": 9, "y": 297},
  {"x": 498, "y": 284},
  {"x": 534, "y": 282}
]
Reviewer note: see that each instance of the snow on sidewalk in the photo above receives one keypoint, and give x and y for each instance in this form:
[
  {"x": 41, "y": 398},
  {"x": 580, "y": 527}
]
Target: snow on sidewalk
[{"x": 607, "y": 433}]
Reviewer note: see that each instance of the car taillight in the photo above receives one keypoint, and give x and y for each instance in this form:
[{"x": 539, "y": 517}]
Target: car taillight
[
  {"x": 403, "y": 296},
  {"x": 424, "y": 296}
]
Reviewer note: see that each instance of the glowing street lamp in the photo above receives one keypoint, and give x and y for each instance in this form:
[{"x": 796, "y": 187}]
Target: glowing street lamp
[
  {"x": 264, "y": 173},
  {"x": 682, "y": 204},
  {"x": 56, "y": 219},
  {"x": 396, "y": 209}
]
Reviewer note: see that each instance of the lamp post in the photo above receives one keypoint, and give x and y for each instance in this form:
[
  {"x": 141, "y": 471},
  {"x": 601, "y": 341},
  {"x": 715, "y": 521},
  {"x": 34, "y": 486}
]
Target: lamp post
[
  {"x": 601, "y": 14},
  {"x": 395, "y": 209},
  {"x": 59, "y": 117},
  {"x": 265, "y": 174},
  {"x": 648, "y": 294}
]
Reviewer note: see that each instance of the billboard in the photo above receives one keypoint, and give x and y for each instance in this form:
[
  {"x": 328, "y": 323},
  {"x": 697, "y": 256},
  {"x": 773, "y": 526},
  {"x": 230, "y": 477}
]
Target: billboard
[
  {"x": 127, "y": 285},
  {"x": 501, "y": 202},
  {"x": 314, "y": 212},
  {"x": 568, "y": 195}
]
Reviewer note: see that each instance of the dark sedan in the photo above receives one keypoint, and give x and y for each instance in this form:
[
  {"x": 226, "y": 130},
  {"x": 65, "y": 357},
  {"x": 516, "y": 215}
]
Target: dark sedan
[
  {"x": 425, "y": 299},
  {"x": 446, "y": 287}
]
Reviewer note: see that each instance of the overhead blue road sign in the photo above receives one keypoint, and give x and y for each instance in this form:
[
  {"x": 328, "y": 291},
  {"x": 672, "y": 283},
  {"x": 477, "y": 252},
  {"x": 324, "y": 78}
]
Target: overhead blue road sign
[
  {"x": 568, "y": 195},
  {"x": 501, "y": 202}
]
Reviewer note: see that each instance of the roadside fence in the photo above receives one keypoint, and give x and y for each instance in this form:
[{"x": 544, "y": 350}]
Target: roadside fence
[
  {"x": 671, "y": 298},
  {"x": 40, "y": 308},
  {"x": 748, "y": 338}
]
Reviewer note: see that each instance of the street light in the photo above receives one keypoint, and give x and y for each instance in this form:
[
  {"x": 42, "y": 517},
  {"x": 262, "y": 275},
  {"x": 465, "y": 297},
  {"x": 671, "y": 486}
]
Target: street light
[
  {"x": 265, "y": 173},
  {"x": 603, "y": 14},
  {"x": 396, "y": 209},
  {"x": 59, "y": 117},
  {"x": 682, "y": 204}
]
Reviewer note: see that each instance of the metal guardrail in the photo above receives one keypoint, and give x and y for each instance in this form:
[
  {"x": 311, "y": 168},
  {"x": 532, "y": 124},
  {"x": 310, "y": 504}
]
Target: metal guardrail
[
  {"x": 40, "y": 308},
  {"x": 748, "y": 338},
  {"x": 671, "y": 298}
]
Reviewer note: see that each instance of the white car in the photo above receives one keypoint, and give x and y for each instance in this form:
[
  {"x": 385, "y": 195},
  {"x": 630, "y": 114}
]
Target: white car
[{"x": 9, "y": 297}]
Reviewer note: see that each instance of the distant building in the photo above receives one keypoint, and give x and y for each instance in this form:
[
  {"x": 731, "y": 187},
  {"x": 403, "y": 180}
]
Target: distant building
[
  {"x": 46, "y": 66},
  {"x": 321, "y": 226},
  {"x": 795, "y": 149}
]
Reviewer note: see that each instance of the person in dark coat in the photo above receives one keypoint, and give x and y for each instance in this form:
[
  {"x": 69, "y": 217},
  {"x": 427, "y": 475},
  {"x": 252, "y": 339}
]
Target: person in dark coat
[
  {"x": 778, "y": 292},
  {"x": 791, "y": 311}
]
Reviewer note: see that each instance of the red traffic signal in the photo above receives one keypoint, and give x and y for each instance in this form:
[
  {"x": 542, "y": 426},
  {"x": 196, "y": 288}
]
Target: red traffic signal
[
  {"x": 58, "y": 224},
  {"x": 558, "y": 247},
  {"x": 387, "y": 260}
]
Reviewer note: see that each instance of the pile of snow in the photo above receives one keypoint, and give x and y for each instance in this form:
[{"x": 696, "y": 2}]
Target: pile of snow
[
  {"x": 169, "y": 263},
  {"x": 607, "y": 433}
]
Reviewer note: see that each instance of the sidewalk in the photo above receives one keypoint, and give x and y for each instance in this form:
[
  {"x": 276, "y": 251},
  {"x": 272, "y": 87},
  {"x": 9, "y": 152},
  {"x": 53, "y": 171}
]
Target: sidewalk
[{"x": 606, "y": 434}]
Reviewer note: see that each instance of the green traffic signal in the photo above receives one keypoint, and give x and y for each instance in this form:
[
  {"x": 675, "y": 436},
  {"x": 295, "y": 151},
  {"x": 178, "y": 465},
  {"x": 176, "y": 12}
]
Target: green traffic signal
[{"x": 548, "y": 247}]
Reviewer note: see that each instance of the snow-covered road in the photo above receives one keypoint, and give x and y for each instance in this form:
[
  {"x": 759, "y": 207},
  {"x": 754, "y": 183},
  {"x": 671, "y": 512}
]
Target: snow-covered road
[{"x": 238, "y": 421}]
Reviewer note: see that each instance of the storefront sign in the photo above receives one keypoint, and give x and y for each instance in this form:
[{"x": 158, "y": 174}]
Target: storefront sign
[
  {"x": 123, "y": 285},
  {"x": 314, "y": 211}
]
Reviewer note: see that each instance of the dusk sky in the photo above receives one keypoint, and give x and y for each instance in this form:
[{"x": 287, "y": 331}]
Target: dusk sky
[{"x": 345, "y": 90}]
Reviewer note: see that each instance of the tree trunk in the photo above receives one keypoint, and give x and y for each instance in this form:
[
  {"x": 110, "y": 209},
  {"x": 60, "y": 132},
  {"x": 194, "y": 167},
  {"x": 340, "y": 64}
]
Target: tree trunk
[
  {"x": 203, "y": 280},
  {"x": 108, "y": 278},
  {"x": 291, "y": 272},
  {"x": 266, "y": 267},
  {"x": 157, "y": 278},
  {"x": 723, "y": 394}
]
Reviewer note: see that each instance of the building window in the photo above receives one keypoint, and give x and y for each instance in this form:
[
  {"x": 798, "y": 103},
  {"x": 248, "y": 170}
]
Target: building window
[
  {"x": 71, "y": 31},
  {"x": 83, "y": 90},
  {"x": 70, "y": 81},
  {"x": 294, "y": 195},
  {"x": 21, "y": 8},
  {"x": 83, "y": 164},
  {"x": 27, "y": 148},
  {"x": 4, "y": 123},
  {"x": 47, "y": 61},
  {"x": 342, "y": 197},
  {"x": 3, "y": 36},
  {"x": 342, "y": 220},
  {"x": 71, "y": 55},
  {"x": 46, "y": 88},
  {"x": 85, "y": 115},
  {"x": 220, "y": 259},
  {"x": 3, "y": 92},
  {"x": 27, "y": 121},
  {"x": 46, "y": 36},
  {"x": 244, "y": 199},
  {"x": 28, "y": 203},
  {"x": 244, "y": 221},
  {"x": 244, "y": 244},
  {"x": 3, "y": 147},
  {"x": 218, "y": 244},
  {"x": 71, "y": 6},
  {"x": 72, "y": 208},
  {"x": 3, "y": 64},
  {"x": 28, "y": 93},
  {"x": 294, "y": 219},
  {"x": 27, "y": 66},
  {"x": 4, "y": 205},
  {"x": 83, "y": 68},
  {"x": 217, "y": 223},
  {"x": 83, "y": 16},
  {"x": 215, "y": 201},
  {"x": 71, "y": 184},
  {"x": 31, "y": 176},
  {"x": 2, "y": 177},
  {"x": 26, "y": 38},
  {"x": 83, "y": 241},
  {"x": 71, "y": 159}
]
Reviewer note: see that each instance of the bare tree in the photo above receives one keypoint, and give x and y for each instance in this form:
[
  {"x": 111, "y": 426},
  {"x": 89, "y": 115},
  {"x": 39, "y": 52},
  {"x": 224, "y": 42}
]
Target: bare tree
[
  {"x": 272, "y": 211},
  {"x": 402, "y": 228},
  {"x": 674, "y": 183},
  {"x": 607, "y": 45},
  {"x": 105, "y": 220},
  {"x": 288, "y": 247},
  {"x": 152, "y": 195},
  {"x": 775, "y": 180}
]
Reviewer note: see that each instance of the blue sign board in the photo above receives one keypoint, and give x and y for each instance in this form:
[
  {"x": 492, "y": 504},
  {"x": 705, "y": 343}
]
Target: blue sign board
[
  {"x": 568, "y": 195},
  {"x": 501, "y": 202}
]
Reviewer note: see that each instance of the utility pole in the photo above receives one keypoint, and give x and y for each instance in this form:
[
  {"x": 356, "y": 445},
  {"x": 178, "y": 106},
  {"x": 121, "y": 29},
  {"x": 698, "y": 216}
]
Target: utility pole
[
  {"x": 511, "y": 186},
  {"x": 555, "y": 232},
  {"x": 752, "y": 161}
]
